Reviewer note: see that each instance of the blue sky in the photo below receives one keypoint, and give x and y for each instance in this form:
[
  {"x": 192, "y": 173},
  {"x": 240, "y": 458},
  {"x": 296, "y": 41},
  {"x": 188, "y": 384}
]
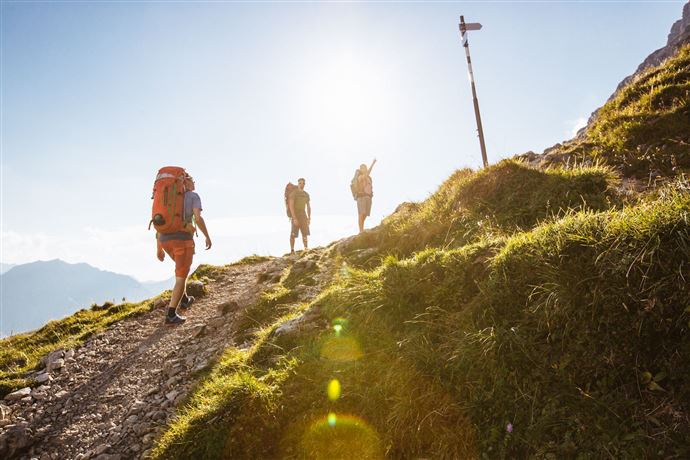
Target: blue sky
[{"x": 96, "y": 96}]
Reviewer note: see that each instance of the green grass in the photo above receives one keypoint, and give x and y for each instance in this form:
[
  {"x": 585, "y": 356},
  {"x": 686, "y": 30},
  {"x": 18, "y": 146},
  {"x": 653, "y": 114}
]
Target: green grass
[
  {"x": 222, "y": 429},
  {"x": 271, "y": 402},
  {"x": 654, "y": 112},
  {"x": 572, "y": 315},
  {"x": 206, "y": 272},
  {"x": 646, "y": 127},
  {"x": 498, "y": 201},
  {"x": 272, "y": 304},
  {"x": 22, "y": 353},
  {"x": 575, "y": 331},
  {"x": 250, "y": 260},
  {"x": 278, "y": 301}
]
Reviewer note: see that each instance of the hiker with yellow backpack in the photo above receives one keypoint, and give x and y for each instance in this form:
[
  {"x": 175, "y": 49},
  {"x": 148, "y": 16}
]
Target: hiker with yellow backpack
[
  {"x": 176, "y": 214},
  {"x": 362, "y": 191}
]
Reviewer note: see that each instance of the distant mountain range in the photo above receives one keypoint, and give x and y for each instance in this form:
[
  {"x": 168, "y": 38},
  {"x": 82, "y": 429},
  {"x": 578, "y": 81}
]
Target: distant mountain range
[
  {"x": 35, "y": 293},
  {"x": 5, "y": 267}
]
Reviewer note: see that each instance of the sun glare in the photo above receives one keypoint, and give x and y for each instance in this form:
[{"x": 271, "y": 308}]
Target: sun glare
[{"x": 348, "y": 97}]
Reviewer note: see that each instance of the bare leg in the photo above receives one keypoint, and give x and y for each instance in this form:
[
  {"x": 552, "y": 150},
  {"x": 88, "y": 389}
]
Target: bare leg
[
  {"x": 361, "y": 222},
  {"x": 304, "y": 241},
  {"x": 178, "y": 290},
  {"x": 292, "y": 244}
]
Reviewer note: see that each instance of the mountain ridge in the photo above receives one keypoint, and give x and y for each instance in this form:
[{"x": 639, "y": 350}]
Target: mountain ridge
[{"x": 36, "y": 292}]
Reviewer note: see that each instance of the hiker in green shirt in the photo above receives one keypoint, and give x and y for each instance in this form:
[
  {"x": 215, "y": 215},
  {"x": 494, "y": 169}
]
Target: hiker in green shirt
[{"x": 300, "y": 210}]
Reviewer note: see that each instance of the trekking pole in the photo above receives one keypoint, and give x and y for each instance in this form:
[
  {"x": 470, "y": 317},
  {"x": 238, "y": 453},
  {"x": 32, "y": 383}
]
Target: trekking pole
[{"x": 463, "y": 33}]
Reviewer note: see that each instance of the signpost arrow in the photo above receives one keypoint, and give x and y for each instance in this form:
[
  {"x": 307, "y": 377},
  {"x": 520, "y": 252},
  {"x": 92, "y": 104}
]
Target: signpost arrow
[{"x": 470, "y": 26}]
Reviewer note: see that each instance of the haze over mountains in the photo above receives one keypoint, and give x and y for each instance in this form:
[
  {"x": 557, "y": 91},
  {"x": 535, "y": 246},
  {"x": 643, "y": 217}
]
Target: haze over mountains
[{"x": 34, "y": 293}]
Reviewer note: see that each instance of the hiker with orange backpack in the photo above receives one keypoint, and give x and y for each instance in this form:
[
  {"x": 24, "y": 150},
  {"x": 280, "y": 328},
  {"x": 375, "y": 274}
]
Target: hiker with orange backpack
[
  {"x": 362, "y": 191},
  {"x": 176, "y": 211}
]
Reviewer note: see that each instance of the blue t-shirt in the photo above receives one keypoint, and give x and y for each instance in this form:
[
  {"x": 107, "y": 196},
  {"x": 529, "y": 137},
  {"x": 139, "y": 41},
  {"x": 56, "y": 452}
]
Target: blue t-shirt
[{"x": 192, "y": 201}]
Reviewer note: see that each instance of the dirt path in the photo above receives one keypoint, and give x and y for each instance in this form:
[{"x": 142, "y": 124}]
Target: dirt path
[{"x": 117, "y": 391}]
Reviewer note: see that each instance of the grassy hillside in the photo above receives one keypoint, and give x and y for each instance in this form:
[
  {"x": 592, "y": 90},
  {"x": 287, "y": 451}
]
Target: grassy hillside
[
  {"x": 488, "y": 321},
  {"x": 497, "y": 202},
  {"x": 514, "y": 313},
  {"x": 645, "y": 128}
]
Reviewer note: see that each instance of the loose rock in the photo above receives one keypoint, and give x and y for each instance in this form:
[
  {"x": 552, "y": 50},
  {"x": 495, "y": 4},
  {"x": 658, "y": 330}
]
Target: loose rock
[
  {"x": 199, "y": 330},
  {"x": 19, "y": 394},
  {"x": 57, "y": 364},
  {"x": 196, "y": 288},
  {"x": 227, "y": 307},
  {"x": 51, "y": 357},
  {"x": 43, "y": 378}
]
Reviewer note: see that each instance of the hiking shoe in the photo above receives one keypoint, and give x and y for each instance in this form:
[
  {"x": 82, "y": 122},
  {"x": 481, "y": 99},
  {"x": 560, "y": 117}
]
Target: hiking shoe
[
  {"x": 187, "y": 301},
  {"x": 173, "y": 320}
]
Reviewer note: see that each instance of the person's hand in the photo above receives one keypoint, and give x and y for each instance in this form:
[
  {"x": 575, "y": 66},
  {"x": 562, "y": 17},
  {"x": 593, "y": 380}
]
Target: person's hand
[
  {"x": 161, "y": 255},
  {"x": 208, "y": 243},
  {"x": 295, "y": 221}
]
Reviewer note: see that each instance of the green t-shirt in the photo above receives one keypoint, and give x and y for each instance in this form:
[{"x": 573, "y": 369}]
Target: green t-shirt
[{"x": 301, "y": 198}]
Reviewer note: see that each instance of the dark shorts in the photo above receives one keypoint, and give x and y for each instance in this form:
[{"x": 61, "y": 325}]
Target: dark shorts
[
  {"x": 302, "y": 227},
  {"x": 364, "y": 205}
]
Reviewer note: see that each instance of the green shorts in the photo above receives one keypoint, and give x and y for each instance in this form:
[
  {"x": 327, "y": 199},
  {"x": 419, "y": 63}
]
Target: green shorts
[{"x": 302, "y": 227}]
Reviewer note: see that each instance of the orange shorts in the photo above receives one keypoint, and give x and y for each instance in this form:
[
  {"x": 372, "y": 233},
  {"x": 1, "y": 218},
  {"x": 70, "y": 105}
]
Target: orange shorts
[{"x": 182, "y": 252}]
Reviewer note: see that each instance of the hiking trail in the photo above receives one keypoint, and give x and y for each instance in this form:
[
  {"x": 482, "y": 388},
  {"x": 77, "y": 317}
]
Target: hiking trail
[{"x": 111, "y": 397}]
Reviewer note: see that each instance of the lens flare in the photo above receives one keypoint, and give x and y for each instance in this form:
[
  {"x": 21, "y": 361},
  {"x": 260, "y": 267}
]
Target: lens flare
[
  {"x": 337, "y": 328},
  {"x": 340, "y": 323},
  {"x": 344, "y": 272},
  {"x": 341, "y": 436},
  {"x": 334, "y": 390},
  {"x": 341, "y": 349}
]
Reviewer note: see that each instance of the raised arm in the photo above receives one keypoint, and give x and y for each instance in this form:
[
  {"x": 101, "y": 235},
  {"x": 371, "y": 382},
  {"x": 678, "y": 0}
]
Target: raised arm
[{"x": 372, "y": 165}]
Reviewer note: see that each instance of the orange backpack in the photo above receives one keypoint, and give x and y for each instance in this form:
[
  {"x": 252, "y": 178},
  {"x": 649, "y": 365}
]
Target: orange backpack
[
  {"x": 167, "y": 215},
  {"x": 288, "y": 190}
]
